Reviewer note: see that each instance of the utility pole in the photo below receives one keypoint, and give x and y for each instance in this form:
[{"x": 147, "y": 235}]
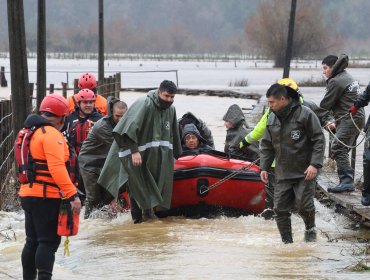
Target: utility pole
[
  {"x": 21, "y": 99},
  {"x": 101, "y": 41},
  {"x": 289, "y": 46},
  {"x": 41, "y": 53}
]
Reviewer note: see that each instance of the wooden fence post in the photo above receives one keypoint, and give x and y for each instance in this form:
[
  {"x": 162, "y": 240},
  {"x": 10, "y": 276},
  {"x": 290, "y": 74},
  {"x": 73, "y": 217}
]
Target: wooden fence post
[
  {"x": 3, "y": 81},
  {"x": 51, "y": 88},
  {"x": 64, "y": 89},
  {"x": 75, "y": 86},
  {"x": 117, "y": 85}
]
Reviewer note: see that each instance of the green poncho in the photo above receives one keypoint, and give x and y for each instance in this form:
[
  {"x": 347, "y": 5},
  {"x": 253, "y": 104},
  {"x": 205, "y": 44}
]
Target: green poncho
[{"x": 153, "y": 131}]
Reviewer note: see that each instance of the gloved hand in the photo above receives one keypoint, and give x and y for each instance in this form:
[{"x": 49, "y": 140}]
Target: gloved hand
[
  {"x": 353, "y": 110},
  {"x": 243, "y": 146}
]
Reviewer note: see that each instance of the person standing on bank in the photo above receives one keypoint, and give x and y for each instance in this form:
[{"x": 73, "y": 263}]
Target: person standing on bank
[
  {"x": 292, "y": 129},
  {"x": 363, "y": 101},
  {"x": 93, "y": 153},
  {"x": 148, "y": 138},
  {"x": 41, "y": 198},
  {"x": 341, "y": 93}
]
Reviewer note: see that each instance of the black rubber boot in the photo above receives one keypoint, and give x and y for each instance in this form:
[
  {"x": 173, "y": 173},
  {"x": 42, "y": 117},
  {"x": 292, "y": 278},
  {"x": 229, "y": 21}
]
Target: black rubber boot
[
  {"x": 285, "y": 228},
  {"x": 310, "y": 235},
  {"x": 308, "y": 217},
  {"x": 136, "y": 212},
  {"x": 44, "y": 275},
  {"x": 365, "y": 200},
  {"x": 346, "y": 182}
]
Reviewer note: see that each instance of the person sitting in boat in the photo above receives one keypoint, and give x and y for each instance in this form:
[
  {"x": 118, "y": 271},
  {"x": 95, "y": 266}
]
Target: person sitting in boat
[
  {"x": 191, "y": 140},
  {"x": 201, "y": 126},
  {"x": 237, "y": 128}
]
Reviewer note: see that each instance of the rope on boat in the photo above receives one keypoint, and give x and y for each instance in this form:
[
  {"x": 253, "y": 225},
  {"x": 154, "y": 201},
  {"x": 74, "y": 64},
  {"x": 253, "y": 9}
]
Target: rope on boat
[
  {"x": 205, "y": 189},
  {"x": 228, "y": 177}
]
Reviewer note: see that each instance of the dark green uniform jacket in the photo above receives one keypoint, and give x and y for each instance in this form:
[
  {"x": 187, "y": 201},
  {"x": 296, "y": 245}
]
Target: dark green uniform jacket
[
  {"x": 342, "y": 91},
  {"x": 236, "y": 134},
  {"x": 294, "y": 139},
  {"x": 153, "y": 131}
]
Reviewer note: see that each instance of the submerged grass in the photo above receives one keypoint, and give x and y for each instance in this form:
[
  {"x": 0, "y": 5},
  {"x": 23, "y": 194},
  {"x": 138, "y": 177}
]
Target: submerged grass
[{"x": 239, "y": 83}]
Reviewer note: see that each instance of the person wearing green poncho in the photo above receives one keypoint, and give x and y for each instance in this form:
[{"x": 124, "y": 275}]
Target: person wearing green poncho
[{"x": 148, "y": 140}]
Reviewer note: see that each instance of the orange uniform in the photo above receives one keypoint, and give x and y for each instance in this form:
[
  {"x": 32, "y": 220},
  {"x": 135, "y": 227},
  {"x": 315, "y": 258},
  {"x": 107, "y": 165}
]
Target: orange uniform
[
  {"x": 100, "y": 104},
  {"x": 71, "y": 104},
  {"x": 52, "y": 147}
]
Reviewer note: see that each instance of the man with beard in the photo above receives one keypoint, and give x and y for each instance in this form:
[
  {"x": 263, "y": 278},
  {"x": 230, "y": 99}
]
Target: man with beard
[
  {"x": 292, "y": 129},
  {"x": 148, "y": 140}
]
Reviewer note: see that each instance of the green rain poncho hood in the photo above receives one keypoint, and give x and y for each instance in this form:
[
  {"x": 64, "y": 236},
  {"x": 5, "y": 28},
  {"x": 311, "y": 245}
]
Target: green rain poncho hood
[{"x": 153, "y": 131}]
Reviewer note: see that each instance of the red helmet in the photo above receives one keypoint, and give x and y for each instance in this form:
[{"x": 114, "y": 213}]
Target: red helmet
[
  {"x": 86, "y": 95},
  {"x": 55, "y": 104},
  {"x": 87, "y": 80}
]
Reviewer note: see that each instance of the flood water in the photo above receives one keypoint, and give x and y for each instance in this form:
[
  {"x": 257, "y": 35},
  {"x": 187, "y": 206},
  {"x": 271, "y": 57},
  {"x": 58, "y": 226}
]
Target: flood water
[
  {"x": 182, "y": 248},
  {"x": 247, "y": 247}
]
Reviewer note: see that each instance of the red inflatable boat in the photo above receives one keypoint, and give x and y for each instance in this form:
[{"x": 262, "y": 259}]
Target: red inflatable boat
[{"x": 200, "y": 185}]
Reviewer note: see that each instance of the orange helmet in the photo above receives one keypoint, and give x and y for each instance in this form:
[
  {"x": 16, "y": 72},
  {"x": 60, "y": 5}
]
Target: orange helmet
[
  {"x": 87, "y": 80},
  {"x": 55, "y": 104},
  {"x": 86, "y": 95}
]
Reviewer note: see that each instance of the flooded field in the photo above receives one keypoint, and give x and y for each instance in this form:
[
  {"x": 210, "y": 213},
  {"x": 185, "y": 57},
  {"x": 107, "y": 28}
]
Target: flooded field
[{"x": 181, "y": 248}]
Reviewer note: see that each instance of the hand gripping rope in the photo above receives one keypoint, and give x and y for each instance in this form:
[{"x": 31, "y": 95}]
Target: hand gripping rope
[{"x": 205, "y": 189}]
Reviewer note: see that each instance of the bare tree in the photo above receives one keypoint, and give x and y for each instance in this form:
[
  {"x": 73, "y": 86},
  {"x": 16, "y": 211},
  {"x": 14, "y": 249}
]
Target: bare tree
[{"x": 267, "y": 30}]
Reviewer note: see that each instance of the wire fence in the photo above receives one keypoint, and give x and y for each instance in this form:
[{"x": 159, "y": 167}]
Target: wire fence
[{"x": 6, "y": 142}]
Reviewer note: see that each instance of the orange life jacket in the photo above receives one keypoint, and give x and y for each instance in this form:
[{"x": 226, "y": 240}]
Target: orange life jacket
[{"x": 33, "y": 170}]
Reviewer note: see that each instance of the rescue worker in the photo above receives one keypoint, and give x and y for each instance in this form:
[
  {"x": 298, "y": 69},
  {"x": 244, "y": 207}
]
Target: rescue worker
[
  {"x": 203, "y": 129},
  {"x": 148, "y": 140},
  {"x": 236, "y": 129},
  {"x": 362, "y": 101},
  {"x": 78, "y": 125},
  {"x": 93, "y": 153},
  {"x": 192, "y": 140},
  {"x": 326, "y": 120},
  {"x": 341, "y": 92},
  {"x": 41, "y": 199},
  {"x": 88, "y": 81},
  {"x": 292, "y": 129}
]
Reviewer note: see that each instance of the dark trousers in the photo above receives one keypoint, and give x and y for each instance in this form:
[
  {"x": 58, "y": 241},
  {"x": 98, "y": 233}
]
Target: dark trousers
[
  {"x": 293, "y": 195},
  {"x": 269, "y": 188},
  {"x": 366, "y": 163},
  {"x": 347, "y": 133},
  {"x": 42, "y": 241}
]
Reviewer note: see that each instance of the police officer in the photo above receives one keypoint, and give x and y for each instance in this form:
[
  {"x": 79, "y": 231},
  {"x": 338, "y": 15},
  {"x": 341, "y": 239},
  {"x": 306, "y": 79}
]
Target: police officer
[
  {"x": 341, "y": 92},
  {"x": 326, "y": 120},
  {"x": 292, "y": 129},
  {"x": 362, "y": 101}
]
